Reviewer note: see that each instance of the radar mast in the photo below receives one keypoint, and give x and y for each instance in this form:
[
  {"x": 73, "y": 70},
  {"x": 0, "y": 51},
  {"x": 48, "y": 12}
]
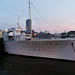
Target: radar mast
[{"x": 18, "y": 22}]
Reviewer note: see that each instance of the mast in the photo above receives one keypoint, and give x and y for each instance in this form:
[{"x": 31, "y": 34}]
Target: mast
[
  {"x": 29, "y": 10},
  {"x": 30, "y": 18}
]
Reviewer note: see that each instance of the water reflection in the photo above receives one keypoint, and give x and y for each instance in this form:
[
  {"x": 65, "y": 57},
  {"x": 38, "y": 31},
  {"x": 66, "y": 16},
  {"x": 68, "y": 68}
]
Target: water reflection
[{"x": 19, "y": 65}]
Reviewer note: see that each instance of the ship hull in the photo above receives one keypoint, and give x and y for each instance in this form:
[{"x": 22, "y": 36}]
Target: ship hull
[{"x": 57, "y": 49}]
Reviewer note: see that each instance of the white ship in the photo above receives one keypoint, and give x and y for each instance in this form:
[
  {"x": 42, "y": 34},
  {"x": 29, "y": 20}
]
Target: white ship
[{"x": 19, "y": 43}]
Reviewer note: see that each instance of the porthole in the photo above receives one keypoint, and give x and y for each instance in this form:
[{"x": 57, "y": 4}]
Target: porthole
[
  {"x": 50, "y": 43},
  {"x": 42, "y": 43},
  {"x": 56, "y": 43},
  {"x": 39, "y": 43},
  {"x": 39, "y": 49},
  {"x": 46, "y": 43},
  {"x": 44, "y": 49}
]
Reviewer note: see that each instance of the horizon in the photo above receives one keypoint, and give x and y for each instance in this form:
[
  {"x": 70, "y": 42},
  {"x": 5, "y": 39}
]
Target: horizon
[{"x": 57, "y": 16}]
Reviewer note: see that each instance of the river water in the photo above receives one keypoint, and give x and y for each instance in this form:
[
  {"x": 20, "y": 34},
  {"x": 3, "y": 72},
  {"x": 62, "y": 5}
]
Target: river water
[{"x": 22, "y": 65}]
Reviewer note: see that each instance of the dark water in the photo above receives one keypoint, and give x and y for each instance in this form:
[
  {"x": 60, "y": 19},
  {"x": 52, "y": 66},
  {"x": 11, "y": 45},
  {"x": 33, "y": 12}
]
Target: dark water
[{"x": 21, "y": 65}]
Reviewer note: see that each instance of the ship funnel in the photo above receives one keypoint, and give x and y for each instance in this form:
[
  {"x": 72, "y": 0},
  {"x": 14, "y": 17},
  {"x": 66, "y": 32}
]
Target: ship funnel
[{"x": 28, "y": 26}]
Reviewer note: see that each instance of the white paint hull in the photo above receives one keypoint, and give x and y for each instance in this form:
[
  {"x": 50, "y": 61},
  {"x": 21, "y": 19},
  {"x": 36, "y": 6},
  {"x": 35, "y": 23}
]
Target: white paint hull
[{"x": 59, "y": 49}]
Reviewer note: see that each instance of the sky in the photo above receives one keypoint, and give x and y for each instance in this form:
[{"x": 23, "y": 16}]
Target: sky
[{"x": 55, "y": 16}]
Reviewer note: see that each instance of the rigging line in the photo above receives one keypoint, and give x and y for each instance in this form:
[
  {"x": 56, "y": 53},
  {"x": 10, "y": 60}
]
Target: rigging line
[
  {"x": 38, "y": 27},
  {"x": 43, "y": 18},
  {"x": 55, "y": 22}
]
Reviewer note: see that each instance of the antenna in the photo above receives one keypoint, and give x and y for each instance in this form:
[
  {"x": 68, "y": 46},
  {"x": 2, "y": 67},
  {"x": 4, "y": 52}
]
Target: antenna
[{"x": 18, "y": 22}]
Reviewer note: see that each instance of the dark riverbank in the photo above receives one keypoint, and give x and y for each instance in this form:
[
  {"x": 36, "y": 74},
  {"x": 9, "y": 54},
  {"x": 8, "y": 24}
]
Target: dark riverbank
[
  {"x": 1, "y": 47},
  {"x": 20, "y": 65}
]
